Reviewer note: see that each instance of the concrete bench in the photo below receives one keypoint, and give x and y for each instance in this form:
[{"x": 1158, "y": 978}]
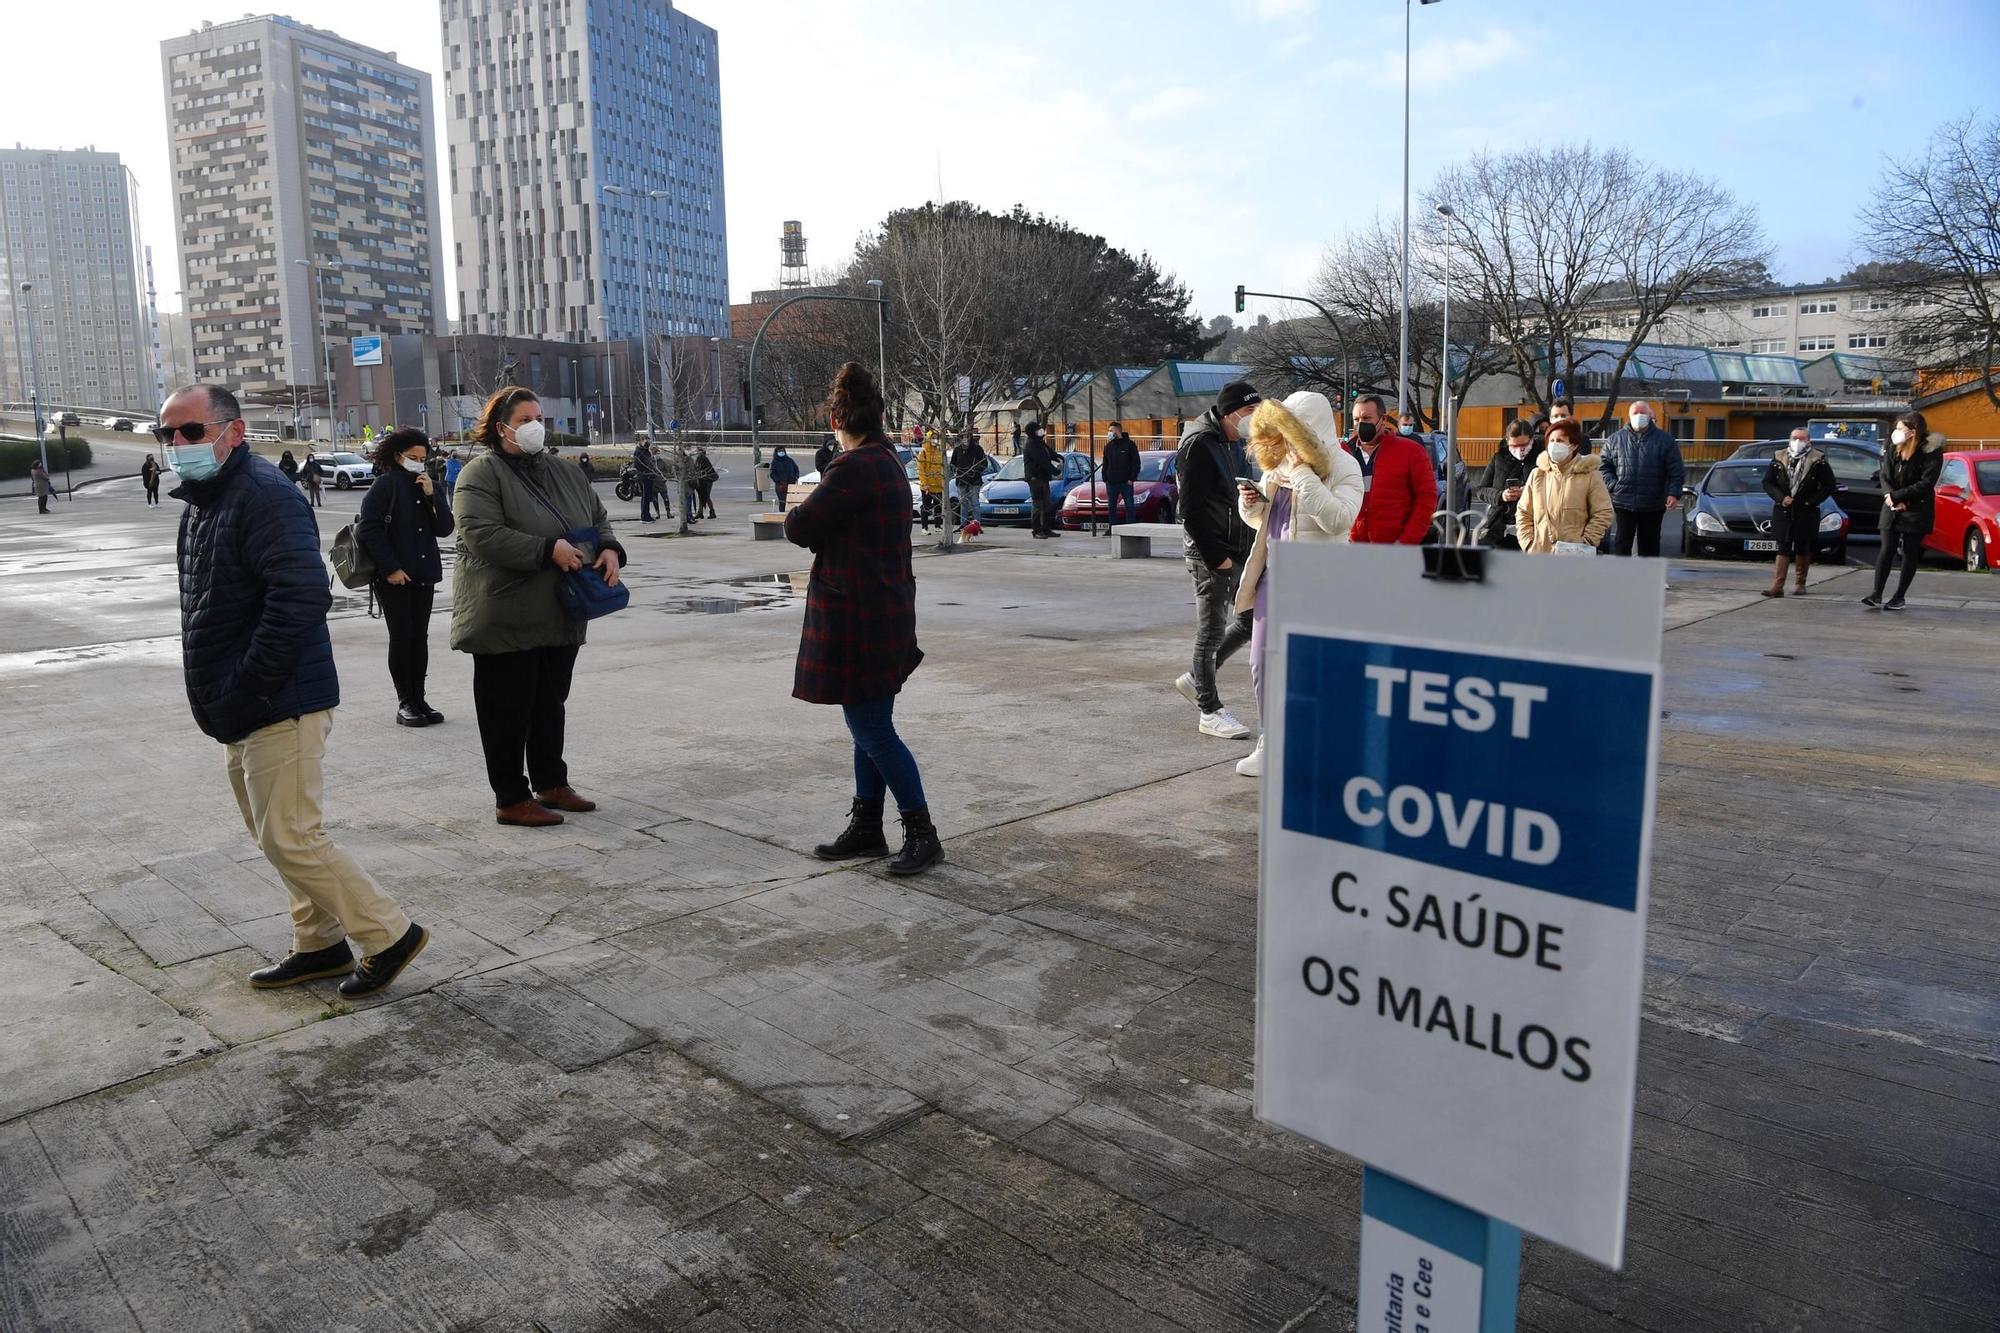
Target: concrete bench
[
  {"x": 767, "y": 527},
  {"x": 1135, "y": 540}
]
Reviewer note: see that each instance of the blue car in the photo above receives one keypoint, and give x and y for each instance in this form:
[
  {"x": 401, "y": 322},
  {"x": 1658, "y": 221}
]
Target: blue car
[{"x": 1004, "y": 499}]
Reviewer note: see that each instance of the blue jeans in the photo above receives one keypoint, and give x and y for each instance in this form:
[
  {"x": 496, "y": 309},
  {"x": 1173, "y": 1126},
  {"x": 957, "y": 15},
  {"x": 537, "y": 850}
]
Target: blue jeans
[
  {"x": 881, "y": 761},
  {"x": 1113, "y": 491}
]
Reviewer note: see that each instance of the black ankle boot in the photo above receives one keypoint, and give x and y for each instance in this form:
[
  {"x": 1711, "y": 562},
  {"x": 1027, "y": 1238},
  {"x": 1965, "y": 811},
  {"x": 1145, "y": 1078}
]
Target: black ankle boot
[
  {"x": 862, "y": 838},
  {"x": 921, "y": 848}
]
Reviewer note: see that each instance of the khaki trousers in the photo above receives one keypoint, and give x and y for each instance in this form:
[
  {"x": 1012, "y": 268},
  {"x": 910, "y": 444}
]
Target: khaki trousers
[{"x": 276, "y": 775}]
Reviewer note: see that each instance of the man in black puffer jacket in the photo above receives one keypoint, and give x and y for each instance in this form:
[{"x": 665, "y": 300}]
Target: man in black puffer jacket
[
  {"x": 1216, "y": 542},
  {"x": 259, "y": 671}
]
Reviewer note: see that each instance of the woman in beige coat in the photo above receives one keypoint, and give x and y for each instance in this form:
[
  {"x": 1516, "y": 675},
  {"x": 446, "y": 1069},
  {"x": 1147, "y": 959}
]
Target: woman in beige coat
[
  {"x": 1310, "y": 493},
  {"x": 1565, "y": 499}
]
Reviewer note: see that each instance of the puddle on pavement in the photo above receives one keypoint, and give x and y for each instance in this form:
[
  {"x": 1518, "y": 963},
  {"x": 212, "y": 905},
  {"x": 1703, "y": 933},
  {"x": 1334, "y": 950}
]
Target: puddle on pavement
[
  {"x": 728, "y": 597},
  {"x": 131, "y": 651}
]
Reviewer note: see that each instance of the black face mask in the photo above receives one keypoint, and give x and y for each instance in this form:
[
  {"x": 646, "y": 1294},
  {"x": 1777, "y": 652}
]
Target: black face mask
[{"x": 1365, "y": 432}]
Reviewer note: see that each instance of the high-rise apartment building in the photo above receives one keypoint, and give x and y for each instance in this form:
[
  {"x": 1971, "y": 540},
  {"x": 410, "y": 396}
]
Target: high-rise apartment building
[
  {"x": 69, "y": 228},
  {"x": 585, "y": 159},
  {"x": 305, "y": 193}
]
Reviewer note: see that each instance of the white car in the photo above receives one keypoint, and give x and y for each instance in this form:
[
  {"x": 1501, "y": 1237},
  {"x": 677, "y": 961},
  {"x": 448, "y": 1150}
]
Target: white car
[{"x": 346, "y": 471}]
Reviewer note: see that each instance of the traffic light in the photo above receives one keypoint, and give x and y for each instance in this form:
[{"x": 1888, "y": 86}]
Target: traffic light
[
  {"x": 885, "y": 312},
  {"x": 1239, "y": 298},
  {"x": 759, "y": 414}
]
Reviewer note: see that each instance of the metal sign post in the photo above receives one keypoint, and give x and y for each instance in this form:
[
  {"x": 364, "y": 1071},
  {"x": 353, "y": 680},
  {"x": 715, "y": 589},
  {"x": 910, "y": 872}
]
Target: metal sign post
[{"x": 1456, "y": 831}]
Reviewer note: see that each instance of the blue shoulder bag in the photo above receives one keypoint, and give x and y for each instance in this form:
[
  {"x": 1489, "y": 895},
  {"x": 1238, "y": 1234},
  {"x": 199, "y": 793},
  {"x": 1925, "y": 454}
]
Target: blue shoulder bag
[{"x": 584, "y": 594}]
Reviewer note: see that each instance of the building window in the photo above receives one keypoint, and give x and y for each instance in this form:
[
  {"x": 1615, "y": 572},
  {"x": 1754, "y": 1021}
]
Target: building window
[
  {"x": 1860, "y": 341},
  {"x": 1826, "y": 305},
  {"x": 1768, "y": 311},
  {"x": 1823, "y": 343},
  {"x": 1765, "y": 346}
]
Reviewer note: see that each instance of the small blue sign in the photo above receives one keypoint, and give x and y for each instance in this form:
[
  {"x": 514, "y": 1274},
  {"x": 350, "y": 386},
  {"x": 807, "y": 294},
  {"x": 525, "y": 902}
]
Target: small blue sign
[
  {"x": 1556, "y": 390},
  {"x": 424, "y": 411},
  {"x": 1510, "y": 768}
]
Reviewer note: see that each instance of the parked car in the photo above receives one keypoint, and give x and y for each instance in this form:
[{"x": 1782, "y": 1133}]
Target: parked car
[
  {"x": 68, "y": 419},
  {"x": 1157, "y": 494},
  {"x": 1729, "y": 513},
  {"x": 1857, "y": 467},
  {"x": 1005, "y": 497},
  {"x": 118, "y": 423},
  {"x": 347, "y": 470},
  {"x": 1968, "y": 508},
  {"x": 800, "y": 489},
  {"x": 950, "y": 482}
]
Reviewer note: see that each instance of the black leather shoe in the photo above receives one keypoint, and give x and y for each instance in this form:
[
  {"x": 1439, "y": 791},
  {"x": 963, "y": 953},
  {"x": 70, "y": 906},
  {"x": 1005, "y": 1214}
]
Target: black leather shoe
[
  {"x": 431, "y": 715},
  {"x": 335, "y": 960},
  {"x": 378, "y": 970},
  {"x": 412, "y": 717}
]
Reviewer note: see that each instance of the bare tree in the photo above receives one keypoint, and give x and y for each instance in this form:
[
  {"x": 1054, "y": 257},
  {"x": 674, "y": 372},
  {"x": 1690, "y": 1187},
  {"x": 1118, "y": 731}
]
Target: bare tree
[
  {"x": 1933, "y": 236},
  {"x": 1541, "y": 233}
]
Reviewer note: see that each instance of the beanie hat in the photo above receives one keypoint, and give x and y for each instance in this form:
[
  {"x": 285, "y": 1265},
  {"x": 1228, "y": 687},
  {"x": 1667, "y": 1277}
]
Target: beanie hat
[{"x": 1237, "y": 395}]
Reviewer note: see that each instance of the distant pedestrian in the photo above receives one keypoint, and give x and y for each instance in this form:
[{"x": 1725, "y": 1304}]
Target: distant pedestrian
[
  {"x": 39, "y": 483},
  {"x": 930, "y": 482},
  {"x": 516, "y": 510},
  {"x": 453, "y": 465},
  {"x": 1562, "y": 409},
  {"x": 1798, "y": 481},
  {"x": 1909, "y": 473},
  {"x": 260, "y": 679},
  {"x": 823, "y": 455},
  {"x": 1216, "y": 543},
  {"x": 1564, "y": 499},
  {"x": 1041, "y": 465},
  {"x": 1499, "y": 486},
  {"x": 859, "y": 644},
  {"x": 705, "y": 477},
  {"x": 784, "y": 474},
  {"x": 1643, "y": 469},
  {"x": 1406, "y": 425},
  {"x": 1397, "y": 475},
  {"x": 650, "y": 481},
  {"x": 402, "y": 517},
  {"x": 1121, "y": 470},
  {"x": 289, "y": 466},
  {"x": 149, "y": 477},
  {"x": 585, "y": 466},
  {"x": 313, "y": 474},
  {"x": 684, "y": 470},
  {"x": 968, "y": 470},
  {"x": 1017, "y": 437},
  {"x": 1311, "y": 492}
]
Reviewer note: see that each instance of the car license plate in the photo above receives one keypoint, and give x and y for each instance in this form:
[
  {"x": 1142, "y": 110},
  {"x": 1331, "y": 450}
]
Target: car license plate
[
  {"x": 1760, "y": 546},
  {"x": 1010, "y": 509}
]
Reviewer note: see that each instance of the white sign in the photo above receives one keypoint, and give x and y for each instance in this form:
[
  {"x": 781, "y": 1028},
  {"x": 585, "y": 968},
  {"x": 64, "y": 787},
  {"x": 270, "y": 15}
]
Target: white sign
[
  {"x": 1409, "y": 1283},
  {"x": 1457, "y": 822},
  {"x": 367, "y": 349},
  {"x": 965, "y": 393}
]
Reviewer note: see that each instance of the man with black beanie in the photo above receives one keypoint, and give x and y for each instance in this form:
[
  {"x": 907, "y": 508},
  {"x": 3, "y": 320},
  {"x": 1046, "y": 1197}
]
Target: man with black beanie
[
  {"x": 1216, "y": 543},
  {"x": 1041, "y": 466}
]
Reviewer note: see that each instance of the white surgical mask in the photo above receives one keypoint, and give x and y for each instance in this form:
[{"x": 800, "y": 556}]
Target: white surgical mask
[
  {"x": 1561, "y": 450},
  {"x": 529, "y": 437},
  {"x": 411, "y": 464},
  {"x": 1519, "y": 450},
  {"x": 1641, "y": 421},
  {"x": 1900, "y": 437},
  {"x": 1798, "y": 447}
]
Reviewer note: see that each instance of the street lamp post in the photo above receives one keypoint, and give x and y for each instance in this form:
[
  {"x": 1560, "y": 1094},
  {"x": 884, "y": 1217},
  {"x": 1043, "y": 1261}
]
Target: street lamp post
[
  {"x": 325, "y": 348},
  {"x": 1403, "y": 361},
  {"x": 34, "y": 376},
  {"x": 881, "y": 341},
  {"x": 646, "y": 325},
  {"x": 1447, "y": 417}
]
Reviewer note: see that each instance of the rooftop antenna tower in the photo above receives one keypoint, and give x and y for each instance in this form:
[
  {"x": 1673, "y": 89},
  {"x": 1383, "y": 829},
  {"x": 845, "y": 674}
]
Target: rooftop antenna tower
[{"x": 792, "y": 257}]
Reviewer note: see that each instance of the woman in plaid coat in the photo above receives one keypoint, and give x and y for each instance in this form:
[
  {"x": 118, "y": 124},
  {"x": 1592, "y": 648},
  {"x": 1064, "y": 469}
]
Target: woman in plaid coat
[{"x": 860, "y": 639}]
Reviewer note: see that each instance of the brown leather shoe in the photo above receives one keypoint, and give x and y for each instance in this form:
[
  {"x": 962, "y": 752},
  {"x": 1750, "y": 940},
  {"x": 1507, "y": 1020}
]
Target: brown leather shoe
[
  {"x": 565, "y": 798},
  {"x": 526, "y": 814}
]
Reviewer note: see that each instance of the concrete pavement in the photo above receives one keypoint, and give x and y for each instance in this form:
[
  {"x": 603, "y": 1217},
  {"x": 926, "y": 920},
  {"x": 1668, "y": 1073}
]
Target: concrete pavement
[{"x": 662, "y": 1070}]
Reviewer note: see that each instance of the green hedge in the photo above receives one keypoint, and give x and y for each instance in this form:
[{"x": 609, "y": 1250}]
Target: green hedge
[{"x": 17, "y": 456}]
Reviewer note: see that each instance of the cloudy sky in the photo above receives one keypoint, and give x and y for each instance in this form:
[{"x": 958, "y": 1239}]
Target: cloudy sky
[{"x": 1231, "y": 138}]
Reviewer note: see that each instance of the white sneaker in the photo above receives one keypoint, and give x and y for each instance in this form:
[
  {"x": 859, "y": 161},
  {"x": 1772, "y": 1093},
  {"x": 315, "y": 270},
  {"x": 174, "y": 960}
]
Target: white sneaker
[
  {"x": 1186, "y": 686},
  {"x": 1220, "y": 723},
  {"x": 1252, "y": 765}
]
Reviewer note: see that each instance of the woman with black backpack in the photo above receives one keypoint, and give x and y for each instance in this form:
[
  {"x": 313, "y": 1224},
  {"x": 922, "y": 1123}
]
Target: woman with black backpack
[{"x": 402, "y": 518}]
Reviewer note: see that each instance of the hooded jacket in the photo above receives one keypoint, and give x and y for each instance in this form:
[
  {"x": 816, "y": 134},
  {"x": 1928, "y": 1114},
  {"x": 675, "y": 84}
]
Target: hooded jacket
[
  {"x": 1040, "y": 462},
  {"x": 930, "y": 467},
  {"x": 1563, "y": 502},
  {"x": 1911, "y": 481},
  {"x": 784, "y": 469},
  {"x": 968, "y": 464},
  {"x": 1323, "y": 507},
  {"x": 1641, "y": 469},
  {"x": 254, "y": 598},
  {"x": 1208, "y": 465}
]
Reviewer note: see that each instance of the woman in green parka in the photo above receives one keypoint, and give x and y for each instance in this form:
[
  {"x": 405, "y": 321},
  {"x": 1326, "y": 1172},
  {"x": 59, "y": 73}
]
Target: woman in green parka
[{"x": 512, "y": 506}]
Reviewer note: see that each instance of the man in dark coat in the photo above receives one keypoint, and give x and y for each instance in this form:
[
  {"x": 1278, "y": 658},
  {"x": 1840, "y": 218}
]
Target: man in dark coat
[
  {"x": 1216, "y": 543},
  {"x": 259, "y": 670},
  {"x": 824, "y": 454},
  {"x": 1643, "y": 470},
  {"x": 1121, "y": 469},
  {"x": 1042, "y": 465},
  {"x": 968, "y": 470},
  {"x": 1499, "y": 486}
]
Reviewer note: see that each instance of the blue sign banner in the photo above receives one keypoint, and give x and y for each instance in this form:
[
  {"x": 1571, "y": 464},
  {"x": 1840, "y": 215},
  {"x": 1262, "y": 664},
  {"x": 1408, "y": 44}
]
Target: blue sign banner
[
  {"x": 367, "y": 349},
  {"x": 1510, "y": 768}
]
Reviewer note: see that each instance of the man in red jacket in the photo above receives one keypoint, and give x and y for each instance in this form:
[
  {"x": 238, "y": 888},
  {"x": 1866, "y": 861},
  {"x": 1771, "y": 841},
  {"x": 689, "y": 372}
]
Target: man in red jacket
[{"x": 1401, "y": 484}]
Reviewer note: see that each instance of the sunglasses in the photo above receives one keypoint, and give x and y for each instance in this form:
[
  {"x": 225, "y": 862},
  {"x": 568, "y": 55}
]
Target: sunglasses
[{"x": 191, "y": 431}]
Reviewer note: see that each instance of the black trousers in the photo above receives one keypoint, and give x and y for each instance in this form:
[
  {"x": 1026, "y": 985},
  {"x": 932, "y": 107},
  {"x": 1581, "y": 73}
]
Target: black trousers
[
  {"x": 705, "y": 490},
  {"x": 519, "y": 698},
  {"x": 1912, "y": 546},
  {"x": 1642, "y": 525},
  {"x": 406, "y": 610},
  {"x": 1038, "y": 496}
]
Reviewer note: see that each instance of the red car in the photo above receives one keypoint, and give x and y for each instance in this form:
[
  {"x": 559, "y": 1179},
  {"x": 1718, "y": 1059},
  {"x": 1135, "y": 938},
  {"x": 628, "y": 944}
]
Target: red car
[
  {"x": 1154, "y": 493},
  {"x": 1968, "y": 508}
]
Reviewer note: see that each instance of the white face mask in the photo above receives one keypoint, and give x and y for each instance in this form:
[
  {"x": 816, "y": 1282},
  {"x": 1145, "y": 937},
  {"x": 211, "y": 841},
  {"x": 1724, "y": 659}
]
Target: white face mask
[
  {"x": 529, "y": 437},
  {"x": 411, "y": 464},
  {"x": 1641, "y": 421},
  {"x": 1518, "y": 450},
  {"x": 1900, "y": 437},
  {"x": 1561, "y": 450},
  {"x": 1797, "y": 447}
]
